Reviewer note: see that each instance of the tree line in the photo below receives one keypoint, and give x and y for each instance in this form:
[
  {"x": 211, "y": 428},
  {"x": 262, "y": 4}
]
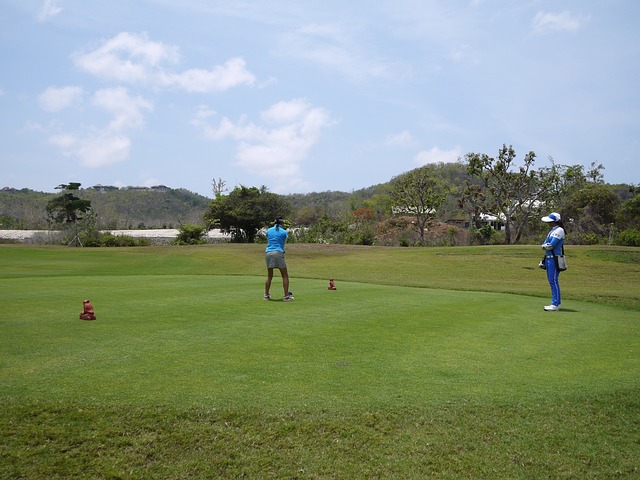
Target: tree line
[{"x": 480, "y": 199}]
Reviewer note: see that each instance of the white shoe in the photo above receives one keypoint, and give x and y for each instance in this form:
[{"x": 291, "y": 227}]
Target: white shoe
[{"x": 552, "y": 308}]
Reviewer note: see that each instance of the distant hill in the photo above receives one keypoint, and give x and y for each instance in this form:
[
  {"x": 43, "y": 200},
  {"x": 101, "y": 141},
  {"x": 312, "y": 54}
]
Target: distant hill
[
  {"x": 115, "y": 209},
  {"x": 162, "y": 207}
]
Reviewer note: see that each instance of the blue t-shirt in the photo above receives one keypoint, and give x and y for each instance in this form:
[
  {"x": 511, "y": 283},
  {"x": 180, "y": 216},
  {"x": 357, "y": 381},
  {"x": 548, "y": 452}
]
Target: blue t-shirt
[
  {"x": 276, "y": 238},
  {"x": 556, "y": 239}
]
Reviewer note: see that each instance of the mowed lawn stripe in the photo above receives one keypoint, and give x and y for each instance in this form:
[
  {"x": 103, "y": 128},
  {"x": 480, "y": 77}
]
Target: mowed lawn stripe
[{"x": 213, "y": 340}]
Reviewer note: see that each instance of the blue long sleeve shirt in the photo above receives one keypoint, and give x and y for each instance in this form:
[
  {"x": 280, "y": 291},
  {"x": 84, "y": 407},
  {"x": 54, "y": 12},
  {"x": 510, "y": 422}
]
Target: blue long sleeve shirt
[{"x": 556, "y": 240}]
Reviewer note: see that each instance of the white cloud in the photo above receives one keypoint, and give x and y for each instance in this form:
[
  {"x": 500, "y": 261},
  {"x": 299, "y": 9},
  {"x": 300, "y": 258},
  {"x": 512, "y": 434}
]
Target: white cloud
[
  {"x": 100, "y": 149},
  {"x": 219, "y": 78},
  {"x": 545, "y": 22},
  {"x": 285, "y": 112},
  {"x": 127, "y": 57},
  {"x": 48, "y": 10},
  {"x": 435, "y": 155},
  {"x": 126, "y": 109},
  {"x": 103, "y": 150},
  {"x": 136, "y": 59},
  {"x": 54, "y": 99},
  {"x": 277, "y": 148}
]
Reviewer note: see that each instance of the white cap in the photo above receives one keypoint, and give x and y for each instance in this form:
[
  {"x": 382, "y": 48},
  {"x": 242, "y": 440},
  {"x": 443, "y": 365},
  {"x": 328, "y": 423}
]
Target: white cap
[{"x": 552, "y": 217}]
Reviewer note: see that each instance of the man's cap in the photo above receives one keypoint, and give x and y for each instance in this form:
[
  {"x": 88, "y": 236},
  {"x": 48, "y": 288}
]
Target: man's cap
[{"x": 552, "y": 217}]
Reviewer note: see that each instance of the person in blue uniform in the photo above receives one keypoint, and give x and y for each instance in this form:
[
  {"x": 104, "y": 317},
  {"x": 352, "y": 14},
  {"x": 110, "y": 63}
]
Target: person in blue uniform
[
  {"x": 553, "y": 246},
  {"x": 274, "y": 256}
]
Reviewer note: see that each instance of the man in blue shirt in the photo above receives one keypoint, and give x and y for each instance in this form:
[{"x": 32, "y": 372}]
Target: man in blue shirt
[
  {"x": 553, "y": 246},
  {"x": 274, "y": 256}
]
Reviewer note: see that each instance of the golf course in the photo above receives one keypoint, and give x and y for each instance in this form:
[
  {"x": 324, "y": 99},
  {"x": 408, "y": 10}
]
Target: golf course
[{"x": 423, "y": 363}]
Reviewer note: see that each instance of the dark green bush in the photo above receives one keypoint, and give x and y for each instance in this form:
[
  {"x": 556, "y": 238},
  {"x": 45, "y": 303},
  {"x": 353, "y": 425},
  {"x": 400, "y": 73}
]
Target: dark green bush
[
  {"x": 124, "y": 241},
  {"x": 109, "y": 240},
  {"x": 483, "y": 235},
  {"x": 629, "y": 238},
  {"x": 191, "y": 235}
]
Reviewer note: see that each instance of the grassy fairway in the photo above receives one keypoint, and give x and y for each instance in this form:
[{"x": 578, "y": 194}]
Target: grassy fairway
[{"x": 424, "y": 363}]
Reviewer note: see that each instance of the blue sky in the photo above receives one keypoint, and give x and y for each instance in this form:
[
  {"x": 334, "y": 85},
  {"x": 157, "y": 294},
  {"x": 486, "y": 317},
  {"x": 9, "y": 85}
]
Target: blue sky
[{"x": 308, "y": 95}]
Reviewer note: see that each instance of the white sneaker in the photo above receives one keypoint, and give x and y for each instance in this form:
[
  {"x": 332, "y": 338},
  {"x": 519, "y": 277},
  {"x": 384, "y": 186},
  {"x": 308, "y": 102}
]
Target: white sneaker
[
  {"x": 267, "y": 297},
  {"x": 552, "y": 308}
]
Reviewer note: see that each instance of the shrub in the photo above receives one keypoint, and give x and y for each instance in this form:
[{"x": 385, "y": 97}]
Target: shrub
[
  {"x": 629, "y": 238},
  {"x": 124, "y": 241},
  {"x": 362, "y": 235},
  {"x": 109, "y": 240},
  {"x": 482, "y": 235},
  {"x": 191, "y": 235}
]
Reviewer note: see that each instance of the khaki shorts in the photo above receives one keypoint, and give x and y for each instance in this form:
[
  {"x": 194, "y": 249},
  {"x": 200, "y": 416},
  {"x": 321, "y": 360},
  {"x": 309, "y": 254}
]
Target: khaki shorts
[{"x": 275, "y": 260}]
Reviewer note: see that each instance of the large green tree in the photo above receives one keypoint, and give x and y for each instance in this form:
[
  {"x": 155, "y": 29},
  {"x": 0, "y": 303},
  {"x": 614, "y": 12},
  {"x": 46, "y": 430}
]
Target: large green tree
[
  {"x": 67, "y": 208},
  {"x": 593, "y": 209},
  {"x": 568, "y": 180},
  {"x": 514, "y": 193},
  {"x": 588, "y": 205},
  {"x": 244, "y": 211},
  {"x": 629, "y": 212},
  {"x": 419, "y": 194}
]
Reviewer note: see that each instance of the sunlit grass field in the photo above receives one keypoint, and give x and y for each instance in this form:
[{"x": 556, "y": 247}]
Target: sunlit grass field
[{"x": 425, "y": 363}]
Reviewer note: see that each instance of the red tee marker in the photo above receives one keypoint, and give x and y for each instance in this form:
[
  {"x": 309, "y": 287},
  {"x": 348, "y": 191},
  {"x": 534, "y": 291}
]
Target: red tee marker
[{"x": 87, "y": 311}]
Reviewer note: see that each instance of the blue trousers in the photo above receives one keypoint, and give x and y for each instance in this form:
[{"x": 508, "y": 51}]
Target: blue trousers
[{"x": 553, "y": 275}]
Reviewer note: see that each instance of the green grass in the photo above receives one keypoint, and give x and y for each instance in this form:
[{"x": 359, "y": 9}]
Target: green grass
[
  {"x": 596, "y": 274},
  {"x": 425, "y": 363}
]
